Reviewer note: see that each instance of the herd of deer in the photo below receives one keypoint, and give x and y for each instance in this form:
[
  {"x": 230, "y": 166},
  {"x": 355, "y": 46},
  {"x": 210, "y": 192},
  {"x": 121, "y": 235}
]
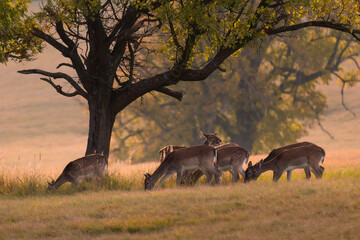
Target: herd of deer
[{"x": 209, "y": 159}]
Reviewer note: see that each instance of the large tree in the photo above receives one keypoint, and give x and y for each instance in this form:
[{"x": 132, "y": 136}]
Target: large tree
[
  {"x": 108, "y": 44},
  {"x": 268, "y": 96}
]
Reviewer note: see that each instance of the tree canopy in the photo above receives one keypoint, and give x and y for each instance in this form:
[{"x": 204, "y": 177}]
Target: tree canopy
[
  {"x": 109, "y": 44},
  {"x": 16, "y": 41},
  {"x": 266, "y": 98}
]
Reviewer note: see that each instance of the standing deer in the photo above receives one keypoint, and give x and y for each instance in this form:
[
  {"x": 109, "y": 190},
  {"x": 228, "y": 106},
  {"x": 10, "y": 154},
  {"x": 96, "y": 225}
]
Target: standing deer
[
  {"x": 87, "y": 166},
  {"x": 277, "y": 151},
  {"x": 166, "y": 150},
  {"x": 196, "y": 157},
  {"x": 231, "y": 157},
  {"x": 288, "y": 160}
]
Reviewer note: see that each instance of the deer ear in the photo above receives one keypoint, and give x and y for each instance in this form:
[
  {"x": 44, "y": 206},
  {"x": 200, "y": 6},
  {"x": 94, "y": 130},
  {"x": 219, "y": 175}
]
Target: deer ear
[
  {"x": 215, "y": 134},
  {"x": 250, "y": 164},
  {"x": 260, "y": 163},
  {"x": 203, "y": 134},
  {"x": 147, "y": 175}
]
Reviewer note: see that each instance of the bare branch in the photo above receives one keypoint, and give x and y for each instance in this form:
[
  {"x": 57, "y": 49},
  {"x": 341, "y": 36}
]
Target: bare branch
[
  {"x": 342, "y": 92},
  {"x": 58, "y": 88},
  {"x": 56, "y": 75},
  {"x": 64, "y": 64},
  {"x": 343, "y": 100},
  {"x": 322, "y": 128},
  {"x": 172, "y": 93}
]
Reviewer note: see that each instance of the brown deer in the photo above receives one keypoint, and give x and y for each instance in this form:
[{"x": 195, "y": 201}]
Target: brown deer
[
  {"x": 166, "y": 150},
  {"x": 231, "y": 157},
  {"x": 196, "y": 157},
  {"x": 211, "y": 138},
  {"x": 277, "y": 151},
  {"x": 88, "y": 166},
  {"x": 307, "y": 155}
]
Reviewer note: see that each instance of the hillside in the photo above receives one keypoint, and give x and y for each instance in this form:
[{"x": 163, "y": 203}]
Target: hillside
[{"x": 35, "y": 120}]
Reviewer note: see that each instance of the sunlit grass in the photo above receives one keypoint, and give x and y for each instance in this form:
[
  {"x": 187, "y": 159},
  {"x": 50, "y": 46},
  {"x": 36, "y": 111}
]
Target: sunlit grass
[{"x": 35, "y": 184}]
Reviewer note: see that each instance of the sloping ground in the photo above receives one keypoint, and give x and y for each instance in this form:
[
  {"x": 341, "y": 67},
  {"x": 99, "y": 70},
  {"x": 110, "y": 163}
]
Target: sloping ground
[
  {"x": 35, "y": 120},
  {"x": 324, "y": 209},
  {"x": 344, "y": 127}
]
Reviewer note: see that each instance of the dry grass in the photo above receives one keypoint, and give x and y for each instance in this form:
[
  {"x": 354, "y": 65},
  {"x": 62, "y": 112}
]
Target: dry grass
[
  {"x": 326, "y": 209},
  {"x": 118, "y": 208}
]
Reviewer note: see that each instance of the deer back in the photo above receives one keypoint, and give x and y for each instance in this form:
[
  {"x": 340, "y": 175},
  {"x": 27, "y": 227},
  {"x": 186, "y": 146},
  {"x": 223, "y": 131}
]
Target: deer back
[
  {"x": 86, "y": 165},
  {"x": 191, "y": 156},
  {"x": 302, "y": 156},
  {"x": 227, "y": 155},
  {"x": 277, "y": 151},
  {"x": 166, "y": 150}
]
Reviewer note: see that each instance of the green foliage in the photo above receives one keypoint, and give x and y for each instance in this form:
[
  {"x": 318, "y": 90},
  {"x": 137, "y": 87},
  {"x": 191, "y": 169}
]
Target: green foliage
[
  {"x": 16, "y": 41},
  {"x": 265, "y": 99}
]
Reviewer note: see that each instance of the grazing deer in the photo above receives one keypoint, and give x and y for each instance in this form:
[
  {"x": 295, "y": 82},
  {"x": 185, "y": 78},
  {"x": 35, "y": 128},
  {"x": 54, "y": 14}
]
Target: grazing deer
[
  {"x": 299, "y": 157},
  {"x": 196, "y": 157},
  {"x": 87, "y": 166},
  {"x": 231, "y": 157},
  {"x": 211, "y": 138},
  {"x": 166, "y": 150},
  {"x": 277, "y": 151}
]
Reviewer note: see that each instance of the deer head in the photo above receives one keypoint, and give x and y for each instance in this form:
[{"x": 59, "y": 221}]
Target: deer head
[
  {"x": 51, "y": 185},
  {"x": 211, "y": 139},
  {"x": 149, "y": 185},
  {"x": 252, "y": 172}
]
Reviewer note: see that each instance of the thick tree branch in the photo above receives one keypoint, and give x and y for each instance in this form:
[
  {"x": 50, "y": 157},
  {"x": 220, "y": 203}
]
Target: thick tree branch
[
  {"x": 172, "y": 93},
  {"x": 52, "y": 41},
  {"x": 324, "y": 24},
  {"x": 56, "y": 75}
]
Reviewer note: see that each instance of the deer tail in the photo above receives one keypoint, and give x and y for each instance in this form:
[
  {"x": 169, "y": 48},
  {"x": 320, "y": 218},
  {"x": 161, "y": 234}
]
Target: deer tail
[
  {"x": 215, "y": 156},
  {"x": 323, "y": 152}
]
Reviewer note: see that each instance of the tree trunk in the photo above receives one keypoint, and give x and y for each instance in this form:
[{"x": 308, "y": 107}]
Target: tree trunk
[{"x": 100, "y": 126}]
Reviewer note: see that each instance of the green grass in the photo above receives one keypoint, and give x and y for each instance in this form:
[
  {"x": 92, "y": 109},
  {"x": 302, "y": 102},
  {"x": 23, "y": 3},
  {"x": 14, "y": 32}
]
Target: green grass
[
  {"x": 325, "y": 209},
  {"x": 36, "y": 184}
]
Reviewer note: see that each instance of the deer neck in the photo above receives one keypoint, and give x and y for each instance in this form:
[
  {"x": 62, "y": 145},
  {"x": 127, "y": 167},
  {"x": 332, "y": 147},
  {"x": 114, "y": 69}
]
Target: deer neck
[
  {"x": 206, "y": 142},
  {"x": 159, "y": 172},
  {"x": 60, "y": 181},
  {"x": 267, "y": 166}
]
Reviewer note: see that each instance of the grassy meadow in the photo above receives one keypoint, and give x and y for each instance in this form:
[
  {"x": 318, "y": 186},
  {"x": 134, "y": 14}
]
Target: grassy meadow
[
  {"x": 118, "y": 207},
  {"x": 41, "y": 131}
]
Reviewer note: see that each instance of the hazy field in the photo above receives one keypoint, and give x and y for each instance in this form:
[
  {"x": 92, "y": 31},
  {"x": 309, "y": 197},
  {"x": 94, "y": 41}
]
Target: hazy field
[
  {"x": 41, "y": 131},
  {"x": 119, "y": 208}
]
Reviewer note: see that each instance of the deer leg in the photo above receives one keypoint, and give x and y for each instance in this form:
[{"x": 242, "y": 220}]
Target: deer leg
[
  {"x": 322, "y": 169},
  {"x": 167, "y": 175},
  {"x": 307, "y": 173},
  {"x": 178, "y": 178},
  {"x": 235, "y": 175},
  {"x": 316, "y": 170},
  {"x": 242, "y": 172},
  {"x": 208, "y": 175},
  {"x": 289, "y": 175},
  {"x": 276, "y": 176},
  {"x": 217, "y": 173},
  {"x": 193, "y": 178}
]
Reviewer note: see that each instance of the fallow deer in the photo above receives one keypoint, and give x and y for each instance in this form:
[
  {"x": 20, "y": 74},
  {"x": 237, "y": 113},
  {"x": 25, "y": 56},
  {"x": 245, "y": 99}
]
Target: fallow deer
[
  {"x": 277, "y": 151},
  {"x": 299, "y": 157},
  {"x": 196, "y": 157},
  {"x": 166, "y": 150},
  {"x": 231, "y": 157},
  {"x": 88, "y": 166}
]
